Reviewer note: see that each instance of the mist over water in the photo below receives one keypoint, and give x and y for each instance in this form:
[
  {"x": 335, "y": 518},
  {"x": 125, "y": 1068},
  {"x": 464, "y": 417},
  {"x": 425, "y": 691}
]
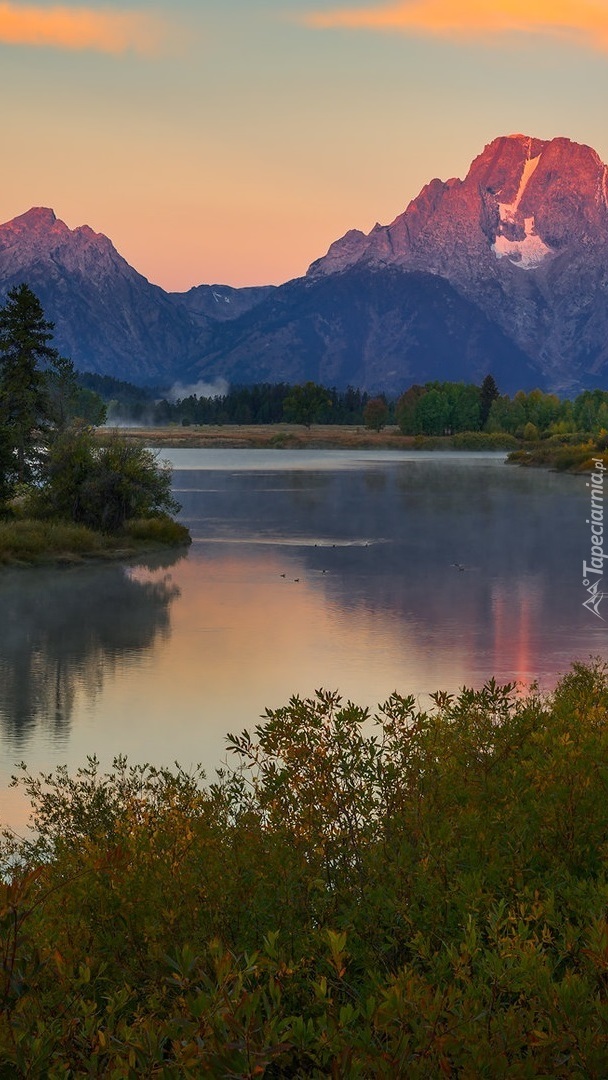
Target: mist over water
[{"x": 308, "y": 569}]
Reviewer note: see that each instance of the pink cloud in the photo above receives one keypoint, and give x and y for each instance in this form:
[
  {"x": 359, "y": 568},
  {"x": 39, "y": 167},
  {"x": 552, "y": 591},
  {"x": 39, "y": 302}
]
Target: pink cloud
[
  {"x": 581, "y": 21},
  {"x": 79, "y": 28}
]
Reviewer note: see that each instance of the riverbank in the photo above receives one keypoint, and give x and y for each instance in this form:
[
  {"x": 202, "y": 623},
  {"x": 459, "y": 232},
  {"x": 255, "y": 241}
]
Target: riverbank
[
  {"x": 32, "y": 542},
  {"x": 316, "y": 437},
  {"x": 560, "y": 457},
  {"x": 558, "y": 453}
]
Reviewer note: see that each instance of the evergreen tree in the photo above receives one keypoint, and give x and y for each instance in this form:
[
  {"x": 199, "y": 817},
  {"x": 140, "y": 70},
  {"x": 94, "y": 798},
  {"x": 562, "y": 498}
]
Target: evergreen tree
[
  {"x": 489, "y": 393},
  {"x": 27, "y": 361}
]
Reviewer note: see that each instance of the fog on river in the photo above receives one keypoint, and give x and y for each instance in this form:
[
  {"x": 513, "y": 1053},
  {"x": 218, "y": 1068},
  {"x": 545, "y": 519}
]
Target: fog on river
[{"x": 364, "y": 572}]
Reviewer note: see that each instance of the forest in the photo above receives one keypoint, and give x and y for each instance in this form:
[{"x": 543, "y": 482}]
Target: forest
[{"x": 435, "y": 409}]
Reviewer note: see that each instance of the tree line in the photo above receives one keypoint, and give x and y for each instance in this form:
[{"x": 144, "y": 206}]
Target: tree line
[{"x": 433, "y": 409}]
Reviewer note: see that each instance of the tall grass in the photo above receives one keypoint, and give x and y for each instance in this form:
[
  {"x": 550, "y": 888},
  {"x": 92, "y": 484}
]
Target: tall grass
[
  {"x": 31, "y": 540},
  {"x": 34, "y": 541}
]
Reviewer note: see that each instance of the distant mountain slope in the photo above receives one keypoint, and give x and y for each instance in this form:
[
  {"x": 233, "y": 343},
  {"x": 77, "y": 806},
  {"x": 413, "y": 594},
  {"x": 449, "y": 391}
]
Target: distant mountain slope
[
  {"x": 505, "y": 271},
  {"x": 221, "y": 303},
  {"x": 107, "y": 317},
  {"x": 373, "y": 328}
]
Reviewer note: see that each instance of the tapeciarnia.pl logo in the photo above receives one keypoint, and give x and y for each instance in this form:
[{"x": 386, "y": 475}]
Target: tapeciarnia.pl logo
[{"x": 593, "y": 571}]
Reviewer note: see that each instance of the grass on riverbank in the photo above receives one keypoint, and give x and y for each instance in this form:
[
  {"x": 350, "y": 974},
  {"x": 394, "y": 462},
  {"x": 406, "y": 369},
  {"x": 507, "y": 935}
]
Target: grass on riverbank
[
  {"x": 317, "y": 437},
  {"x": 549, "y": 454},
  {"x": 30, "y": 541}
]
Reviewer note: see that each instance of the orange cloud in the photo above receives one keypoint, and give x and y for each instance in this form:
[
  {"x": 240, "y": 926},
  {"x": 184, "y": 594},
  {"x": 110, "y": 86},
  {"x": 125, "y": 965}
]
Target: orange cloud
[
  {"x": 582, "y": 20},
  {"x": 79, "y": 28}
]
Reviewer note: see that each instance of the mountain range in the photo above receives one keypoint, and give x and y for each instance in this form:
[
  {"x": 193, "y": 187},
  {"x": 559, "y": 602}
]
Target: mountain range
[{"x": 505, "y": 271}]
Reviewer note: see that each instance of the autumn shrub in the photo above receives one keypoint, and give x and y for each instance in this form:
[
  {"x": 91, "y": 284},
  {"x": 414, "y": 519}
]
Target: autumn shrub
[
  {"x": 484, "y": 440},
  {"x": 413, "y": 893},
  {"x": 161, "y": 529}
]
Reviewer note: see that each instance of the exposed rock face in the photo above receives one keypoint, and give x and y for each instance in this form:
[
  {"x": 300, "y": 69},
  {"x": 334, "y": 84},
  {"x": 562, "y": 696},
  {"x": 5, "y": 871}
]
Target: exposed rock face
[
  {"x": 505, "y": 271},
  {"x": 524, "y": 236},
  {"x": 108, "y": 318}
]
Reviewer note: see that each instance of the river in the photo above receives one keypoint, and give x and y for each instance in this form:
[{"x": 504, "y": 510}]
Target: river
[{"x": 363, "y": 572}]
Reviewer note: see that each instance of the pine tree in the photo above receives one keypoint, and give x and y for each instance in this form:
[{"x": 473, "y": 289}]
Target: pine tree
[
  {"x": 489, "y": 393},
  {"x": 27, "y": 362}
]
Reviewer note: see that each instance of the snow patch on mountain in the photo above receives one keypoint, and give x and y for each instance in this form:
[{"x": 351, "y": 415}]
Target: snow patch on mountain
[
  {"x": 527, "y": 253},
  {"x": 508, "y": 211}
]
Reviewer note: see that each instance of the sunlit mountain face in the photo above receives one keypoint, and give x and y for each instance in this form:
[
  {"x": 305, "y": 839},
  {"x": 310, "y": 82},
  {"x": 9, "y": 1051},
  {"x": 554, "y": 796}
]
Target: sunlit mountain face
[
  {"x": 503, "y": 271},
  {"x": 525, "y": 237}
]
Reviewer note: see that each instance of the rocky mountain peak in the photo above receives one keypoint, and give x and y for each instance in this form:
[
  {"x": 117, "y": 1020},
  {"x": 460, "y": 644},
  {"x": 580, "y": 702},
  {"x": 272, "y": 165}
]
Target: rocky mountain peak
[
  {"x": 523, "y": 200},
  {"x": 524, "y": 236},
  {"x": 503, "y": 271},
  {"x": 41, "y": 217}
]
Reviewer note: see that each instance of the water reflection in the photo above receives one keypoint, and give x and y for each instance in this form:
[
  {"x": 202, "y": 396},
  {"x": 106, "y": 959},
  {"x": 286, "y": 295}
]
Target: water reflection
[
  {"x": 305, "y": 572},
  {"x": 64, "y": 632},
  {"x": 473, "y": 568}
]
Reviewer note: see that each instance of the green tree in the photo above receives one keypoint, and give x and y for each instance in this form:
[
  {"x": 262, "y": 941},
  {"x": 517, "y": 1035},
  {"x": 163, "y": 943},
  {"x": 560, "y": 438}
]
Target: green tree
[
  {"x": 103, "y": 485},
  {"x": 305, "y": 403},
  {"x": 88, "y": 406},
  {"x": 507, "y": 415},
  {"x": 432, "y": 413},
  {"x": 488, "y": 394},
  {"x": 465, "y": 406},
  {"x": 6, "y": 465},
  {"x": 28, "y": 364}
]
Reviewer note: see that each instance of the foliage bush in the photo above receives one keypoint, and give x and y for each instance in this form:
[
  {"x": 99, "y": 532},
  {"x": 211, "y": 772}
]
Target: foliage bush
[
  {"x": 103, "y": 484},
  {"x": 568, "y": 458},
  {"x": 572, "y": 438},
  {"x": 158, "y": 530},
  {"x": 424, "y": 895},
  {"x": 484, "y": 440}
]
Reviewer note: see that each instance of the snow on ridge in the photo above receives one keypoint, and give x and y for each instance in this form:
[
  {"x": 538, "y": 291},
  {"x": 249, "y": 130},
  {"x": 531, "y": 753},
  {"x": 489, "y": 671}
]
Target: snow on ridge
[
  {"x": 508, "y": 211},
  {"x": 527, "y": 253}
]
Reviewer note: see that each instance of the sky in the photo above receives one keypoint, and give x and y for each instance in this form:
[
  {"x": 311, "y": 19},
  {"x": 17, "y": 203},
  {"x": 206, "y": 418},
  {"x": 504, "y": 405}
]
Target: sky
[{"x": 231, "y": 141}]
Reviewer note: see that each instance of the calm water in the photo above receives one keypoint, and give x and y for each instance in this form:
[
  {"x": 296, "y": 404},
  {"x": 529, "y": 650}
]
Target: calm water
[{"x": 308, "y": 569}]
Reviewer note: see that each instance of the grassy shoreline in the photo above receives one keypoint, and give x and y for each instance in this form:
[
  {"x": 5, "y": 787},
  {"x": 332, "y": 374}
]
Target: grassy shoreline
[
  {"x": 559, "y": 457},
  {"x": 557, "y": 453},
  {"x": 298, "y": 437},
  {"x": 31, "y": 542}
]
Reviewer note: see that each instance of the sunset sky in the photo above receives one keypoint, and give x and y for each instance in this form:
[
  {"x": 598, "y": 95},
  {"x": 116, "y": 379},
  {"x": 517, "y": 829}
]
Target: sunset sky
[{"x": 233, "y": 140}]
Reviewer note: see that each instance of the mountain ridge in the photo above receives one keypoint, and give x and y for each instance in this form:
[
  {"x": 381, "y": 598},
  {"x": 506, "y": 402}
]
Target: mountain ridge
[{"x": 505, "y": 270}]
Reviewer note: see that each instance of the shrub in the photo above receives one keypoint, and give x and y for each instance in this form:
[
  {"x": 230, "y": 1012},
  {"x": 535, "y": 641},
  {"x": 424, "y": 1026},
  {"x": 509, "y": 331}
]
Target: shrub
[
  {"x": 530, "y": 432},
  {"x": 103, "y": 485},
  {"x": 420, "y": 896},
  {"x": 484, "y": 440},
  {"x": 158, "y": 530}
]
